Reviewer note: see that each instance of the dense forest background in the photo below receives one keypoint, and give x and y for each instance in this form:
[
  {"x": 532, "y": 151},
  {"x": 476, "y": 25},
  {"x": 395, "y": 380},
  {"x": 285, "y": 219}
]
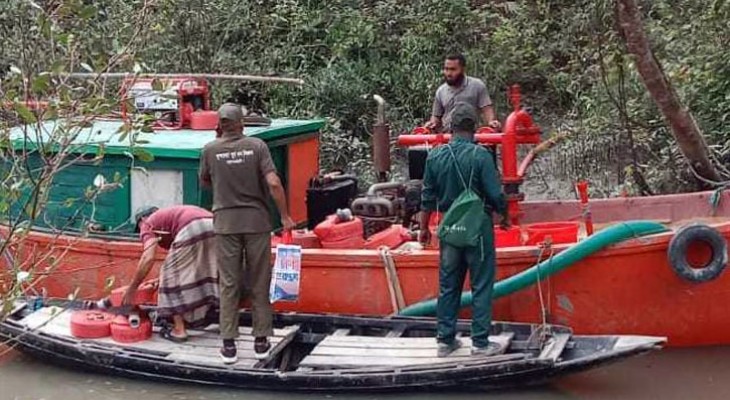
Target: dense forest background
[{"x": 568, "y": 57}]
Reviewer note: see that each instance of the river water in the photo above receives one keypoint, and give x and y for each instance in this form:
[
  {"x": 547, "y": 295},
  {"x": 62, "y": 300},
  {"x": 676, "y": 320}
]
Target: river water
[{"x": 702, "y": 373}]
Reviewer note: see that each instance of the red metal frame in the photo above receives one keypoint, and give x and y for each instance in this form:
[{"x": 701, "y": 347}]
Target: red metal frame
[{"x": 519, "y": 128}]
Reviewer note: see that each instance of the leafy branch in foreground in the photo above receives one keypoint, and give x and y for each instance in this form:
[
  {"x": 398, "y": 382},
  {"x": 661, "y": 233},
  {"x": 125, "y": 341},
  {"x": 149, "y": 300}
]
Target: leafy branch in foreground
[{"x": 48, "y": 123}]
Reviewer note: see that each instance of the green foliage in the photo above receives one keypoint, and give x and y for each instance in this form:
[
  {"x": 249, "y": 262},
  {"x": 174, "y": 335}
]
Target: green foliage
[
  {"x": 565, "y": 54},
  {"x": 41, "y": 41}
]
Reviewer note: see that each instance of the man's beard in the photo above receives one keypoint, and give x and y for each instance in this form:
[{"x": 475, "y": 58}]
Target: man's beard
[{"x": 456, "y": 81}]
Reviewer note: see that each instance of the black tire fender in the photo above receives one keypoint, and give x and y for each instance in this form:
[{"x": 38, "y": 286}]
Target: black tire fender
[{"x": 677, "y": 253}]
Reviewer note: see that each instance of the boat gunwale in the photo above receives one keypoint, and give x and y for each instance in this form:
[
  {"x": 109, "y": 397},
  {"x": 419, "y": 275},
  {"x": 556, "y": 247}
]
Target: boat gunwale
[{"x": 364, "y": 258}]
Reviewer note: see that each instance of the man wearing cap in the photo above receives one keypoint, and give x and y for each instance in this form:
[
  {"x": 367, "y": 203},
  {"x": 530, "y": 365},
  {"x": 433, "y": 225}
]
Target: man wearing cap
[
  {"x": 458, "y": 87},
  {"x": 188, "y": 284},
  {"x": 442, "y": 184},
  {"x": 242, "y": 175}
]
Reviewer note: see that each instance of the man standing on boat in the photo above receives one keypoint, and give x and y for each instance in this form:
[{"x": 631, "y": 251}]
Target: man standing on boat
[
  {"x": 450, "y": 171},
  {"x": 242, "y": 175},
  {"x": 188, "y": 284},
  {"x": 457, "y": 88}
]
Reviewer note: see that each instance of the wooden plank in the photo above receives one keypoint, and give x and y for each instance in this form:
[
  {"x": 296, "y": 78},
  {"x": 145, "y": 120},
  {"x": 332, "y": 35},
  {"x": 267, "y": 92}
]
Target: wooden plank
[
  {"x": 554, "y": 347},
  {"x": 330, "y": 362},
  {"x": 464, "y": 351},
  {"x": 394, "y": 287},
  {"x": 341, "y": 332},
  {"x": 379, "y": 342},
  {"x": 157, "y": 344},
  {"x": 50, "y": 320},
  {"x": 333, "y": 352},
  {"x": 503, "y": 340},
  {"x": 243, "y": 331},
  {"x": 215, "y": 360},
  {"x": 397, "y": 332},
  {"x": 327, "y": 370}
]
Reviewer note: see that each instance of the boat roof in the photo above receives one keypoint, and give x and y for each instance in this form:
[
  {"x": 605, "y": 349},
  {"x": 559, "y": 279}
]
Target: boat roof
[{"x": 179, "y": 143}]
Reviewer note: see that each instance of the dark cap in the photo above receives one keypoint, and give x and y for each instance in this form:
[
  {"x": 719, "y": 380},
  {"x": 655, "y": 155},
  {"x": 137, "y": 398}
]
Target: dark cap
[
  {"x": 143, "y": 212},
  {"x": 464, "y": 117},
  {"x": 231, "y": 112}
]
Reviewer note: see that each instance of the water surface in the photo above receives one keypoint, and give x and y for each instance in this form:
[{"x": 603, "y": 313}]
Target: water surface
[{"x": 702, "y": 373}]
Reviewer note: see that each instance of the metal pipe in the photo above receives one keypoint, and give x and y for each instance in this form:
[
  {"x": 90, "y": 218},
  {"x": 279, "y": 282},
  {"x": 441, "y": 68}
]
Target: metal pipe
[
  {"x": 515, "y": 121},
  {"x": 524, "y": 136},
  {"x": 378, "y": 187},
  {"x": 124, "y": 75},
  {"x": 381, "y": 143},
  {"x": 359, "y": 205},
  {"x": 381, "y": 109}
]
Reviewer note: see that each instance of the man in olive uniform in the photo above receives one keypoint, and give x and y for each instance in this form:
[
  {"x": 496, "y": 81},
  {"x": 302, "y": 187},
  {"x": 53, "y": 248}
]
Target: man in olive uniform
[
  {"x": 242, "y": 175},
  {"x": 441, "y": 186}
]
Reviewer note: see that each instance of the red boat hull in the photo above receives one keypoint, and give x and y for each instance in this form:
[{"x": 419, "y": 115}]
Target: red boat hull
[{"x": 627, "y": 288}]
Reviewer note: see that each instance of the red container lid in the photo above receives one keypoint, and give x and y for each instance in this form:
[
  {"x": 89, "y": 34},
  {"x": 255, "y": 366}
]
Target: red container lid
[{"x": 91, "y": 324}]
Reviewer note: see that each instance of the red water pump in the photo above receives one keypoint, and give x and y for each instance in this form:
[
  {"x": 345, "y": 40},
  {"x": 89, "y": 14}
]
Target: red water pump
[
  {"x": 519, "y": 128},
  {"x": 175, "y": 103}
]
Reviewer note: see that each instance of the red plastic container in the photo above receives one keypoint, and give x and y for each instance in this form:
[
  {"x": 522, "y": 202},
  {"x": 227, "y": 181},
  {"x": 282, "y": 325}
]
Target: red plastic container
[
  {"x": 391, "y": 237},
  {"x": 559, "y": 232},
  {"x": 330, "y": 230},
  {"x": 204, "y": 120},
  {"x": 91, "y": 324},
  {"x": 507, "y": 238},
  {"x": 356, "y": 243},
  {"x": 146, "y": 294},
  {"x": 123, "y": 332},
  {"x": 306, "y": 238}
]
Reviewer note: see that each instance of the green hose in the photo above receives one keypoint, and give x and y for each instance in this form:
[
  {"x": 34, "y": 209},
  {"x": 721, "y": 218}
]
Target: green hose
[{"x": 606, "y": 237}]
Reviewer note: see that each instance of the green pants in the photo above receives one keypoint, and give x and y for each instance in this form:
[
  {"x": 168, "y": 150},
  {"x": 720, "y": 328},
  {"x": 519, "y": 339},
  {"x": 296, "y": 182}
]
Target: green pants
[
  {"x": 244, "y": 259},
  {"x": 454, "y": 263}
]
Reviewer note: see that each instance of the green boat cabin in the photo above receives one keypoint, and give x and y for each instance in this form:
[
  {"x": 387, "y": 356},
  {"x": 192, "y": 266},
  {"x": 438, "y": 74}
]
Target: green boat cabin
[{"x": 170, "y": 178}]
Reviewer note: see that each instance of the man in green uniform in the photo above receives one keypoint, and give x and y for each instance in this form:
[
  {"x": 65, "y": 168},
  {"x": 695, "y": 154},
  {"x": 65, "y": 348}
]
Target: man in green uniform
[{"x": 441, "y": 186}]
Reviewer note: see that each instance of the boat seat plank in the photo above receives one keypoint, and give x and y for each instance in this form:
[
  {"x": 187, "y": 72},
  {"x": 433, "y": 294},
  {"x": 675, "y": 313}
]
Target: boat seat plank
[
  {"x": 332, "y": 352},
  {"x": 379, "y": 342},
  {"x": 341, "y": 332},
  {"x": 554, "y": 347}
]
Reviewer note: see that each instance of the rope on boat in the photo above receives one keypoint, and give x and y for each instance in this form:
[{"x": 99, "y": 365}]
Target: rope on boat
[
  {"x": 543, "y": 330},
  {"x": 395, "y": 290}
]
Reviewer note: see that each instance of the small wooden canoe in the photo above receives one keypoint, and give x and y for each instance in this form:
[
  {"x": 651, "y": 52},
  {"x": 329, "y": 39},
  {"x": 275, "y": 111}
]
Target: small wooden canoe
[{"x": 314, "y": 352}]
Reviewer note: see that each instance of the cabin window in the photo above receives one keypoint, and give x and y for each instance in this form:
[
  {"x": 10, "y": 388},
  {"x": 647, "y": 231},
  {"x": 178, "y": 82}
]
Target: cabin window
[{"x": 156, "y": 187}]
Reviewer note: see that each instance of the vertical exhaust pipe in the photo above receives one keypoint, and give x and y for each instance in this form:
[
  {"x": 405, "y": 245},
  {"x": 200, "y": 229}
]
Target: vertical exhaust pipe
[{"x": 381, "y": 143}]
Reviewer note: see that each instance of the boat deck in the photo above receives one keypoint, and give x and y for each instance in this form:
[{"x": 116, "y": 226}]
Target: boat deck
[
  {"x": 340, "y": 350},
  {"x": 201, "y": 348}
]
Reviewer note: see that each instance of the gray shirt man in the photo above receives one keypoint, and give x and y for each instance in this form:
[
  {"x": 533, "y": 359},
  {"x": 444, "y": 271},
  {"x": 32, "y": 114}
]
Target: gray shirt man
[{"x": 472, "y": 91}]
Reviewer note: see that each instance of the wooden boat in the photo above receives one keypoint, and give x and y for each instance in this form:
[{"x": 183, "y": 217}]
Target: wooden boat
[
  {"x": 328, "y": 353},
  {"x": 629, "y": 287}
]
